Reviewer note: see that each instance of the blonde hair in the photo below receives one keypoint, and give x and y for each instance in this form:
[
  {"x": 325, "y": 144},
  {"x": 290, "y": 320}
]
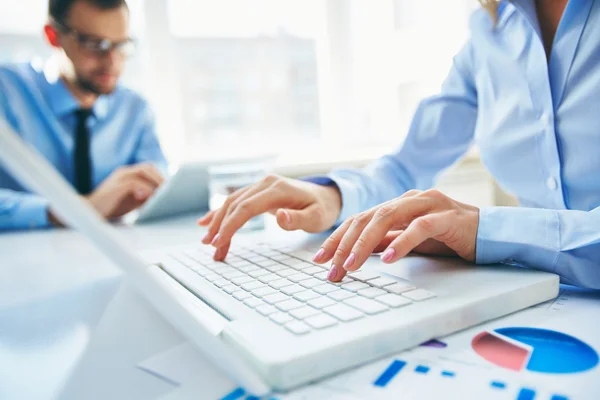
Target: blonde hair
[{"x": 491, "y": 6}]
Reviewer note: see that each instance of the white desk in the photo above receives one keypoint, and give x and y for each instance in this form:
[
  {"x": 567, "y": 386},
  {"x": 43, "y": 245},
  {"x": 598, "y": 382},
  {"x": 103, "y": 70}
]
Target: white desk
[{"x": 54, "y": 287}]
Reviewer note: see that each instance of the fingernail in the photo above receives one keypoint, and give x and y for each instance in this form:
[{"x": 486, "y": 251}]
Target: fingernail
[
  {"x": 319, "y": 255},
  {"x": 140, "y": 193},
  {"x": 205, "y": 238},
  {"x": 350, "y": 261},
  {"x": 215, "y": 239},
  {"x": 332, "y": 273},
  {"x": 388, "y": 255},
  {"x": 288, "y": 217}
]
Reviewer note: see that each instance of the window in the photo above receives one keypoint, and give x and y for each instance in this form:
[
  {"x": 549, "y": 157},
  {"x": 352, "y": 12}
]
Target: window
[
  {"x": 243, "y": 76},
  {"x": 247, "y": 71}
]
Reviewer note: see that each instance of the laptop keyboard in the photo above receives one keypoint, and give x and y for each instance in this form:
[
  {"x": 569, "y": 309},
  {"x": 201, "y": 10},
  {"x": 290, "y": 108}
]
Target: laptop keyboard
[{"x": 284, "y": 285}]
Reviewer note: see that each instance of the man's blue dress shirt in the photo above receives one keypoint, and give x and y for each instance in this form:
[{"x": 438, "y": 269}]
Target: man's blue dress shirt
[{"x": 41, "y": 109}]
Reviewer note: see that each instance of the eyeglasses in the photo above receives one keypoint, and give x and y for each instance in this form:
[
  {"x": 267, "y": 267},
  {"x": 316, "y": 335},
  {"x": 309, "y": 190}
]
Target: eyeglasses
[{"x": 97, "y": 46}]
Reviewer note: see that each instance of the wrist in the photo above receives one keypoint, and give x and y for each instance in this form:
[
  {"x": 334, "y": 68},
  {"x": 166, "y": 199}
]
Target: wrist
[{"x": 333, "y": 199}]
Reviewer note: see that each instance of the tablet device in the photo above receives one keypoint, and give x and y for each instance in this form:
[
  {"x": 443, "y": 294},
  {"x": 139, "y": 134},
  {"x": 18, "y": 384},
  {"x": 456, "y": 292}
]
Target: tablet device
[{"x": 186, "y": 191}]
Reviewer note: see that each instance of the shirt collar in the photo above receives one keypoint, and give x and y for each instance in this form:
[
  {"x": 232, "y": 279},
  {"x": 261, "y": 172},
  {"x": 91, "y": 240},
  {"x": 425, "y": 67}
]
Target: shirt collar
[{"x": 61, "y": 100}]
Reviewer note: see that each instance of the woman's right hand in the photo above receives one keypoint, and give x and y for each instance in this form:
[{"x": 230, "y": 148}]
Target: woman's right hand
[{"x": 296, "y": 205}]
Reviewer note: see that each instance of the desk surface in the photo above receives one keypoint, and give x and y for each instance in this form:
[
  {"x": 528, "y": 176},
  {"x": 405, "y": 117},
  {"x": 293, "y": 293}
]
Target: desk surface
[
  {"x": 62, "y": 305},
  {"x": 54, "y": 287}
]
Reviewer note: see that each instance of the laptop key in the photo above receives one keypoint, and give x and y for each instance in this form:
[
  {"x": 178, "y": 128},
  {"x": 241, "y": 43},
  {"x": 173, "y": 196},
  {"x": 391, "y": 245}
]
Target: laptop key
[
  {"x": 393, "y": 300},
  {"x": 371, "y": 293},
  {"x": 298, "y": 277},
  {"x": 355, "y": 286},
  {"x": 306, "y": 295},
  {"x": 303, "y": 266},
  {"x": 266, "y": 309},
  {"x": 268, "y": 278},
  {"x": 249, "y": 268},
  {"x": 232, "y": 274},
  {"x": 366, "y": 305},
  {"x": 253, "y": 302},
  {"x": 364, "y": 276},
  {"x": 275, "y": 267},
  {"x": 281, "y": 317},
  {"x": 292, "y": 289},
  {"x": 266, "y": 263},
  {"x": 221, "y": 282},
  {"x": 313, "y": 270},
  {"x": 304, "y": 312},
  {"x": 275, "y": 298},
  {"x": 419, "y": 295},
  {"x": 302, "y": 255},
  {"x": 240, "y": 280},
  {"x": 382, "y": 282},
  {"x": 212, "y": 277},
  {"x": 259, "y": 272},
  {"x": 343, "y": 312},
  {"x": 321, "y": 302},
  {"x": 399, "y": 288},
  {"x": 296, "y": 264},
  {"x": 280, "y": 283},
  {"x": 203, "y": 271},
  {"x": 340, "y": 295},
  {"x": 263, "y": 291},
  {"x": 286, "y": 272},
  {"x": 322, "y": 276},
  {"x": 289, "y": 305},
  {"x": 310, "y": 283},
  {"x": 241, "y": 295},
  {"x": 321, "y": 321},
  {"x": 297, "y": 327},
  {"x": 229, "y": 289},
  {"x": 281, "y": 257},
  {"x": 252, "y": 285},
  {"x": 326, "y": 288}
]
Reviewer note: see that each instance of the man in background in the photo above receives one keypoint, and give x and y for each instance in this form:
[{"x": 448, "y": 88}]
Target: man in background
[{"x": 100, "y": 136}]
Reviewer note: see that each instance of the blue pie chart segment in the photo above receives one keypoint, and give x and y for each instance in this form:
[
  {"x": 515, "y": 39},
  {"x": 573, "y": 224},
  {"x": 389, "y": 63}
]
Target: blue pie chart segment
[{"x": 553, "y": 352}]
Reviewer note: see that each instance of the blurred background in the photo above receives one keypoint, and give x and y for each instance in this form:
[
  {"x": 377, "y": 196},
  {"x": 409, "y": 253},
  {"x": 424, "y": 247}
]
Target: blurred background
[{"x": 318, "y": 83}]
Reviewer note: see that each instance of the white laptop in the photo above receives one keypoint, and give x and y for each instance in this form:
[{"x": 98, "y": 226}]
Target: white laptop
[
  {"x": 268, "y": 317},
  {"x": 186, "y": 191}
]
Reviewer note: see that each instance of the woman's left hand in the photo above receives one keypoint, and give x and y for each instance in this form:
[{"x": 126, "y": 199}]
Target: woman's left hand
[{"x": 429, "y": 222}]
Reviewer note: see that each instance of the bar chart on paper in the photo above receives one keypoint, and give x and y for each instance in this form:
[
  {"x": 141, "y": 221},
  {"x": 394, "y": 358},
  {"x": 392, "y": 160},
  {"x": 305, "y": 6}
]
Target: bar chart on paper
[{"x": 419, "y": 380}]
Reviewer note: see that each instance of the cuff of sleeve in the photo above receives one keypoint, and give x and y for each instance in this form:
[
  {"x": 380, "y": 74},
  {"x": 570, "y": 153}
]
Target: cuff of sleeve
[
  {"x": 527, "y": 236},
  {"x": 32, "y": 213},
  {"x": 348, "y": 192}
]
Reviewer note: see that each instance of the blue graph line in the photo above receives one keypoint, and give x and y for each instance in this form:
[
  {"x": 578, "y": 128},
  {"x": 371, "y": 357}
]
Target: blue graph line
[
  {"x": 498, "y": 385},
  {"x": 526, "y": 394},
  {"x": 421, "y": 369},
  {"x": 559, "y": 397},
  {"x": 448, "y": 373},
  {"x": 389, "y": 373},
  {"x": 235, "y": 395}
]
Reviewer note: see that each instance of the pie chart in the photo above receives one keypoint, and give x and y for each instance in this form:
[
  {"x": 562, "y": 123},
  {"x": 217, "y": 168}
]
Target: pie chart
[{"x": 537, "y": 350}]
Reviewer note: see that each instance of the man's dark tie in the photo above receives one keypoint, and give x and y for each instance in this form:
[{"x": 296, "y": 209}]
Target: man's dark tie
[{"x": 82, "y": 161}]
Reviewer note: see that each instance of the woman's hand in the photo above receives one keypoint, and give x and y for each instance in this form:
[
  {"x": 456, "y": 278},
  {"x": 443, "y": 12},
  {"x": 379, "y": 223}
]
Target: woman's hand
[
  {"x": 426, "y": 222},
  {"x": 296, "y": 205}
]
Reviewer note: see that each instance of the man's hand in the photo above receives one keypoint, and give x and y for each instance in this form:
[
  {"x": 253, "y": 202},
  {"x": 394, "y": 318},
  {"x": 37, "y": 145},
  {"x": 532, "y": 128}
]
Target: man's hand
[
  {"x": 296, "y": 205},
  {"x": 426, "y": 222},
  {"x": 124, "y": 190}
]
